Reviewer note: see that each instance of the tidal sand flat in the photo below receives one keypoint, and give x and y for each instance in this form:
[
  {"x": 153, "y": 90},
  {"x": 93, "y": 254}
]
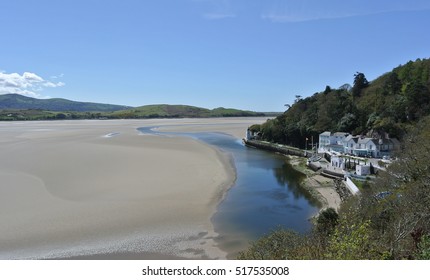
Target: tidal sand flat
[{"x": 71, "y": 189}]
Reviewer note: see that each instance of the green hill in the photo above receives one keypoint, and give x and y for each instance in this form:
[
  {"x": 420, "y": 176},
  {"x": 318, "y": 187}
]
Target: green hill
[
  {"x": 181, "y": 111},
  {"x": 391, "y": 103},
  {"x": 16, "y": 101},
  {"x": 18, "y": 107}
]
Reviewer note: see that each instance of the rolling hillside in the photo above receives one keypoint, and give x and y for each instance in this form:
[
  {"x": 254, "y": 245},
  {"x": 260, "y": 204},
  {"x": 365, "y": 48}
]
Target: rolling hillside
[
  {"x": 16, "y": 101},
  {"x": 181, "y": 111},
  {"x": 18, "y": 107}
]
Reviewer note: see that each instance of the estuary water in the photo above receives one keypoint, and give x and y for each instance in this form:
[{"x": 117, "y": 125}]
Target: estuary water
[{"x": 266, "y": 194}]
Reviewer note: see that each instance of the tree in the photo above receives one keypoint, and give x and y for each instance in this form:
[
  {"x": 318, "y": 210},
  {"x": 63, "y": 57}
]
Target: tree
[
  {"x": 298, "y": 98},
  {"x": 347, "y": 123},
  {"x": 60, "y": 116},
  {"x": 327, "y": 221},
  {"x": 360, "y": 82},
  {"x": 345, "y": 87},
  {"x": 393, "y": 85}
]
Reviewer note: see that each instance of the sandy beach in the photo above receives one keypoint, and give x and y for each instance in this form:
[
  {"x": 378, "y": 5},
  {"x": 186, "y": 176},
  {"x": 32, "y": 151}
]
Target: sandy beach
[{"x": 71, "y": 189}]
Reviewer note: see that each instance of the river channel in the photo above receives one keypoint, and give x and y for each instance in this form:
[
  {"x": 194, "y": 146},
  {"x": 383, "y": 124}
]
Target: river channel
[{"x": 266, "y": 194}]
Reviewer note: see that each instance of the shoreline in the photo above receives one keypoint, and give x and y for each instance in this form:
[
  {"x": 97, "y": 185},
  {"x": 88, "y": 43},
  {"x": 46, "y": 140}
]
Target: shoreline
[{"x": 320, "y": 187}]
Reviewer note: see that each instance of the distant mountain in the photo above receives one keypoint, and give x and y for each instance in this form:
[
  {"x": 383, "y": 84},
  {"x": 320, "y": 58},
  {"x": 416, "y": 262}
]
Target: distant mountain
[
  {"x": 181, "y": 111},
  {"x": 20, "y": 102}
]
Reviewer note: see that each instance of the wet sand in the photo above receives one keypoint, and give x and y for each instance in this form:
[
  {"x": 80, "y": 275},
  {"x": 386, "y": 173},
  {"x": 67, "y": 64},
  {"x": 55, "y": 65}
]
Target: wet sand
[{"x": 99, "y": 189}]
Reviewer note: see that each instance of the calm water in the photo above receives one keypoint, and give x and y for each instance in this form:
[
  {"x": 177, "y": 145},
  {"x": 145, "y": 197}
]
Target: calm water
[{"x": 266, "y": 194}]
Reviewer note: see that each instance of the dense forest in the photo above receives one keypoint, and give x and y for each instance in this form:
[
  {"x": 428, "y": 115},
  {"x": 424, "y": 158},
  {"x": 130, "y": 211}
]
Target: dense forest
[
  {"x": 390, "y": 103},
  {"x": 390, "y": 219}
]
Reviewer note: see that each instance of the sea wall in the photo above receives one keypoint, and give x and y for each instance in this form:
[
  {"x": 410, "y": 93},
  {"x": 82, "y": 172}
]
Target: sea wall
[{"x": 277, "y": 148}]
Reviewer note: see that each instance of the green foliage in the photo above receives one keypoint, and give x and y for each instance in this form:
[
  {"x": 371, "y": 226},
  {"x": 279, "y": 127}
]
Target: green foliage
[
  {"x": 424, "y": 248},
  {"x": 255, "y": 128},
  {"x": 351, "y": 242},
  {"x": 181, "y": 111},
  {"x": 327, "y": 221},
  {"x": 360, "y": 82},
  {"x": 278, "y": 245}
]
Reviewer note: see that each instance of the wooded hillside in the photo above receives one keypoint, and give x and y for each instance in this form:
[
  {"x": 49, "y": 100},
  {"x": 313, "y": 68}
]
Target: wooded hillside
[{"x": 390, "y": 103}]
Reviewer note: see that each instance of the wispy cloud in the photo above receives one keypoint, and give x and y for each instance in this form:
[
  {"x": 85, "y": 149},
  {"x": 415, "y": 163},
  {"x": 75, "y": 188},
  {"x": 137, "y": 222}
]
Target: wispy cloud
[
  {"x": 214, "y": 16},
  {"x": 28, "y": 83},
  {"x": 57, "y": 76},
  {"x": 311, "y": 10},
  {"x": 216, "y": 9}
]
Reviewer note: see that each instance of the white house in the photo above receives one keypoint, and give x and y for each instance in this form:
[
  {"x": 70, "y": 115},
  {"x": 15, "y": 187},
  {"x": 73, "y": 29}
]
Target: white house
[
  {"x": 338, "y": 138},
  {"x": 370, "y": 147},
  {"x": 332, "y": 141},
  {"x": 337, "y": 162},
  {"x": 324, "y": 139},
  {"x": 358, "y": 145},
  {"x": 362, "y": 170}
]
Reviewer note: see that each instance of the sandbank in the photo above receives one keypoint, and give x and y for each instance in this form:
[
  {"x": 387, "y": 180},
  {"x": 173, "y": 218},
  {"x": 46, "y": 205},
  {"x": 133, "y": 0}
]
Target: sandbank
[{"x": 76, "y": 189}]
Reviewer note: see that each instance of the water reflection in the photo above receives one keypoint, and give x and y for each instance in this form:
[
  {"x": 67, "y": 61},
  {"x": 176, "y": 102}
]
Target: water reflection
[
  {"x": 288, "y": 176},
  {"x": 266, "y": 194}
]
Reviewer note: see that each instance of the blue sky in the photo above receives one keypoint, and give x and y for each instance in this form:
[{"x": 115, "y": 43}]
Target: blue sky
[{"x": 246, "y": 54}]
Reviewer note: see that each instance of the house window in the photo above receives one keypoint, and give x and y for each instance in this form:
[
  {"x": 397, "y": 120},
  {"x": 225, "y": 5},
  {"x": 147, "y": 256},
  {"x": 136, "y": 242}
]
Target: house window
[{"x": 371, "y": 147}]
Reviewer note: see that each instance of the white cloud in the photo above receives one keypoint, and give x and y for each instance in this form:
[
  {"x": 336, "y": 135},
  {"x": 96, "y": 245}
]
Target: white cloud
[
  {"x": 53, "y": 85},
  {"x": 26, "y": 84}
]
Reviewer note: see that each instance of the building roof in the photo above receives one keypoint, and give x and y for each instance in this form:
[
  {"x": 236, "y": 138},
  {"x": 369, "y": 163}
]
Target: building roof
[
  {"x": 365, "y": 140},
  {"x": 325, "y": 133},
  {"x": 341, "y": 134},
  {"x": 353, "y": 138}
]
